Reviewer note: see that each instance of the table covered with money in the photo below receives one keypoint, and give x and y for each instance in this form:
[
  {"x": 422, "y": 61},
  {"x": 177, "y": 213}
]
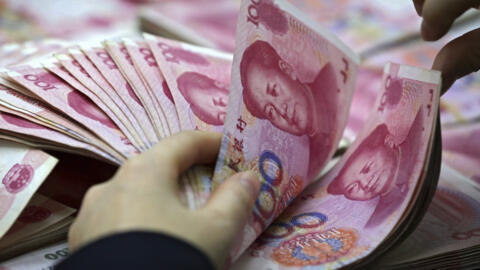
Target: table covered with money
[{"x": 363, "y": 163}]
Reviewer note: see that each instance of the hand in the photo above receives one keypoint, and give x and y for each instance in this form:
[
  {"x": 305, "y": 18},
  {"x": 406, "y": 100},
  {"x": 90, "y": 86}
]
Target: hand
[
  {"x": 143, "y": 195},
  {"x": 460, "y": 56}
]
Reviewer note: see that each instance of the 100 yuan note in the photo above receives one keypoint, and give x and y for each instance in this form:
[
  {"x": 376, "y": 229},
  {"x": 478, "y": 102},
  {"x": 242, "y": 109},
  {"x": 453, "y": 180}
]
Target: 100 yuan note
[
  {"x": 198, "y": 79},
  {"x": 207, "y": 23},
  {"x": 122, "y": 58},
  {"x": 72, "y": 71},
  {"x": 39, "y": 215},
  {"x": 10, "y": 123},
  {"x": 291, "y": 87},
  {"x": 59, "y": 94},
  {"x": 34, "y": 108},
  {"x": 111, "y": 72},
  {"x": 44, "y": 258},
  {"x": 451, "y": 224},
  {"x": 354, "y": 208},
  {"x": 147, "y": 67},
  {"x": 22, "y": 171},
  {"x": 89, "y": 69}
]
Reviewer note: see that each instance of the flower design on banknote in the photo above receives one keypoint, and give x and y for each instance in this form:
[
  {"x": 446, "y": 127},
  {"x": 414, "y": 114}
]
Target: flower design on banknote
[
  {"x": 19, "y": 122},
  {"x": 316, "y": 247},
  {"x": 207, "y": 98},
  {"x": 283, "y": 229},
  {"x": 84, "y": 106},
  {"x": 33, "y": 213},
  {"x": 392, "y": 95},
  {"x": 268, "y": 14},
  {"x": 18, "y": 177},
  {"x": 177, "y": 55}
]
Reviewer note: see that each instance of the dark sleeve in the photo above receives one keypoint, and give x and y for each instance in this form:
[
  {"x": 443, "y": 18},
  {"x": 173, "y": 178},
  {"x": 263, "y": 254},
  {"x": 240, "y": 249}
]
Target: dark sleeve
[{"x": 137, "y": 250}]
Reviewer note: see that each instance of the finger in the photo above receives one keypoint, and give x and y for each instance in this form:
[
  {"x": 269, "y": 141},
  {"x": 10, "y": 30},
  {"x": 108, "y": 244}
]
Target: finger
[
  {"x": 177, "y": 153},
  {"x": 233, "y": 200},
  {"x": 418, "y": 6},
  {"x": 438, "y": 16},
  {"x": 458, "y": 58}
]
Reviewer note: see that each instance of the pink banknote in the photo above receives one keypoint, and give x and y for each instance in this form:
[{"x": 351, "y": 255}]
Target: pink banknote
[
  {"x": 107, "y": 67},
  {"x": 147, "y": 67},
  {"x": 37, "y": 109},
  {"x": 369, "y": 80},
  {"x": 62, "y": 73},
  {"x": 75, "y": 75},
  {"x": 363, "y": 24},
  {"x": 356, "y": 206},
  {"x": 22, "y": 173},
  {"x": 209, "y": 23},
  {"x": 461, "y": 149},
  {"x": 462, "y": 102},
  {"x": 450, "y": 227},
  {"x": 122, "y": 58},
  {"x": 67, "y": 19},
  {"x": 199, "y": 80},
  {"x": 292, "y": 83},
  {"x": 73, "y": 103},
  {"x": 44, "y": 258},
  {"x": 40, "y": 213},
  {"x": 89, "y": 70},
  {"x": 13, "y": 124}
]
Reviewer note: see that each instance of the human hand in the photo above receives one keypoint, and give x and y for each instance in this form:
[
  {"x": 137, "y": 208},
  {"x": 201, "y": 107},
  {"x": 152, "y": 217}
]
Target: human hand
[
  {"x": 143, "y": 195},
  {"x": 460, "y": 56}
]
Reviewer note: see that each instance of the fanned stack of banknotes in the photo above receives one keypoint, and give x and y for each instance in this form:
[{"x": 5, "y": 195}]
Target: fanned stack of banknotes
[{"x": 282, "y": 102}]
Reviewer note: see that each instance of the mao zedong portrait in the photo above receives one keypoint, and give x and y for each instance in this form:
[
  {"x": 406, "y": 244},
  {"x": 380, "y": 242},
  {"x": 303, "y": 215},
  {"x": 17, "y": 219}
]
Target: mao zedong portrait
[
  {"x": 273, "y": 91},
  {"x": 207, "y": 97},
  {"x": 380, "y": 170},
  {"x": 84, "y": 106}
]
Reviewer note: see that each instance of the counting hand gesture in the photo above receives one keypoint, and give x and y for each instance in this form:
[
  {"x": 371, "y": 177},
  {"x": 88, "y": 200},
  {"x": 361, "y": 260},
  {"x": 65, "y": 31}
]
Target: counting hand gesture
[
  {"x": 460, "y": 56},
  {"x": 143, "y": 195}
]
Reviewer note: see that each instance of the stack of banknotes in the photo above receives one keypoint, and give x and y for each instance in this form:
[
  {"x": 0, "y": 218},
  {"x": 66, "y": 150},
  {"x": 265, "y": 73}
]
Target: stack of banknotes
[{"x": 283, "y": 101}]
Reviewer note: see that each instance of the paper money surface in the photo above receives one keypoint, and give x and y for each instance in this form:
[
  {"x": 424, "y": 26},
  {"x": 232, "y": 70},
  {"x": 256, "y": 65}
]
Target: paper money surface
[
  {"x": 292, "y": 83},
  {"x": 198, "y": 79},
  {"x": 73, "y": 103},
  {"x": 31, "y": 20},
  {"x": 350, "y": 211},
  {"x": 363, "y": 24},
  {"x": 147, "y": 66},
  {"x": 122, "y": 58},
  {"x": 450, "y": 228},
  {"x": 369, "y": 80},
  {"x": 39, "y": 218},
  {"x": 22, "y": 171},
  {"x": 44, "y": 258},
  {"x": 209, "y": 23},
  {"x": 461, "y": 104},
  {"x": 104, "y": 62},
  {"x": 461, "y": 146}
]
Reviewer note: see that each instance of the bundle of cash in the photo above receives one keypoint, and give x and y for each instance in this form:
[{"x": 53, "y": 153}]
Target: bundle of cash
[{"x": 282, "y": 101}]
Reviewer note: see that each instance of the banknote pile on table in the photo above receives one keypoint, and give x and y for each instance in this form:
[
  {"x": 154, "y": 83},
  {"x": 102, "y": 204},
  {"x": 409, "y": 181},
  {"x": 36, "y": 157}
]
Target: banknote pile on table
[{"x": 285, "y": 92}]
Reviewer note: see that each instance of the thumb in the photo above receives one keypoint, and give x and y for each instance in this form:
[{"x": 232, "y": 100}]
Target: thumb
[
  {"x": 458, "y": 58},
  {"x": 233, "y": 200}
]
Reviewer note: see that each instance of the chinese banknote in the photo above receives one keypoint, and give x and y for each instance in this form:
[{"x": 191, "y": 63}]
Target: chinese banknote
[{"x": 285, "y": 91}]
